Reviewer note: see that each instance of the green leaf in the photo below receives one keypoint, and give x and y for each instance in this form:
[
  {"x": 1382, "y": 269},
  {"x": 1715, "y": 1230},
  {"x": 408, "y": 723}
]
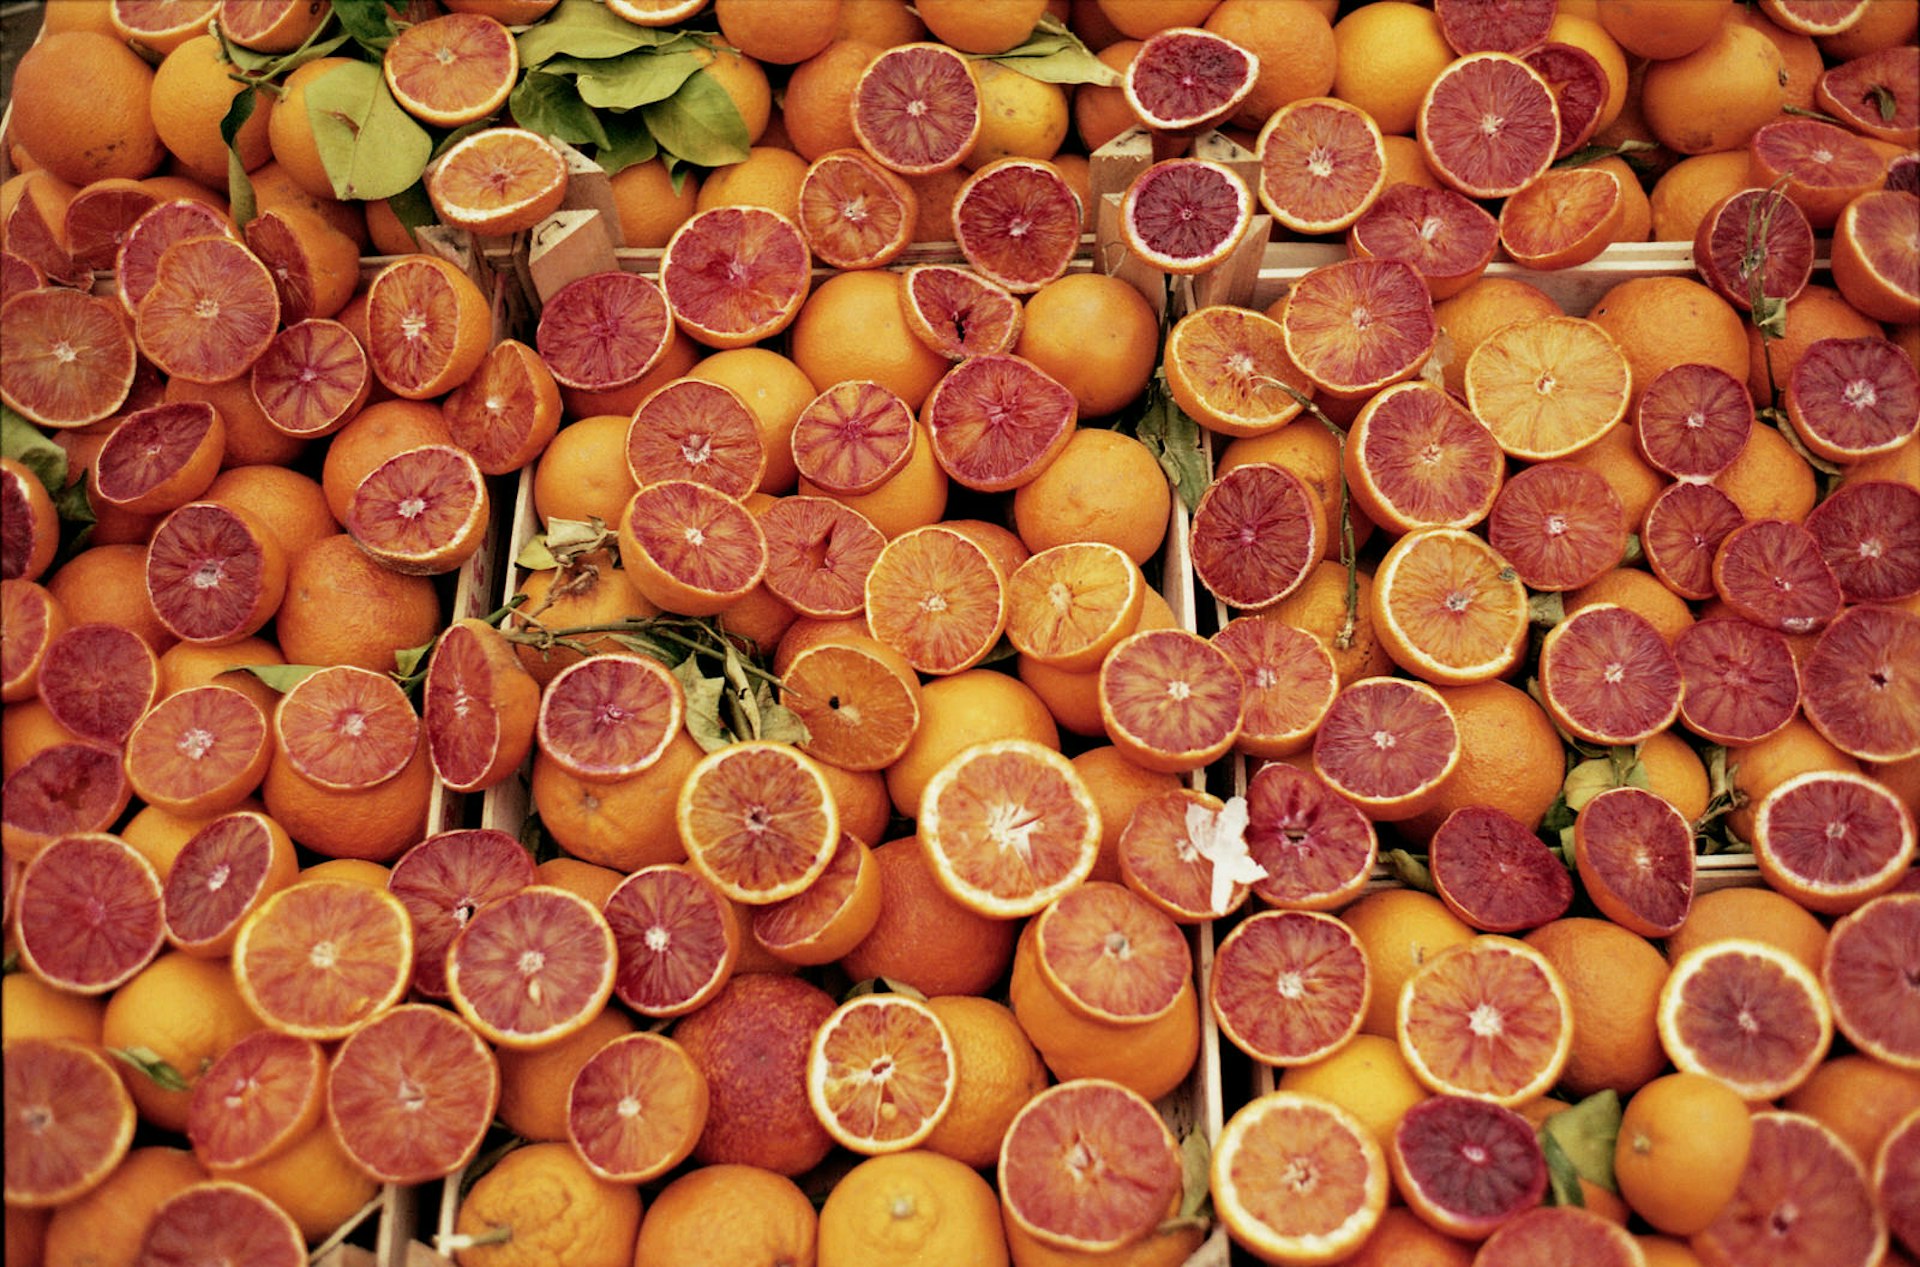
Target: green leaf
[
  {"x": 1196, "y": 1164},
  {"x": 1055, "y": 55},
  {"x": 535, "y": 557},
  {"x": 239, "y": 188},
  {"x": 1884, "y": 101},
  {"x": 408, "y": 661},
  {"x": 585, "y": 28},
  {"x": 638, "y": 79},
  {"x": 1174, "y": 440},
  {"x": 30, "y": 446},
  {"x": 1594, "y": 153},
  {"x": 282, "y": 677},
  {"x": 71, "y": 504},
  {"x": 1559, "y": 815},
  {"x": 551, "y": 105},
  {"x": 274, "y": 65},
  {"x": 1585, "y": 1136},
  {"x": 413, "y": 209},
  {"x": 778, "y": 723},
  {"x": 1408, "y": 869},
  {"x": 703, "y": 705},
  {"x": 1634, "y": 551},
  {"x": 366, "y": 21},
  {"x": 1546, "y": 610},
  {"x": 1588, "y": 780},
  {"x": 1563, "y": 1180},
  {"x": 149, "y": 1062},
  {"x": 628, "y": 143},
  {"x": 370, "y": 146},
  {"x": 699, "y": 123}
]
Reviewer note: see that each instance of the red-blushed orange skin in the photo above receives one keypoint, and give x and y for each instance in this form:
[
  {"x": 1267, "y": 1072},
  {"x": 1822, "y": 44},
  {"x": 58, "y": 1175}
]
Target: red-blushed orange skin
[
  {"x": 751, "y": 1044},
  {"x": 923, "y": 937}
]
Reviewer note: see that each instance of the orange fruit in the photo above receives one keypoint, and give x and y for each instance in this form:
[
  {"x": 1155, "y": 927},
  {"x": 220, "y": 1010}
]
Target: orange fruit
[
  {"x": 1639, "y": 591},
  {"x": 626, "y": 824},
  {"x": 591, "y": 592},
  {"x": 534, "y": 1084},
  {"x": 853, "y": 326},
  {"x": 191, "y": 94},
  {"x": 923, "y": 936},
  {"x": 498, "y": 181},
  {"x": 343, "y": 608},
  {"x": 1684, "y": 193},
  {"x": 1583, "y": 31},
  {"x": 188, "y": 1012},
  {"x": 1759, "y": 768},
  {"x": 72, "y": 1123},
  {"x": 1118, "y": 787},
  {"x": 109, "y": 1223},
  {"x": 35, "y": 1009},
  {"x": 1616, "y": 458},
  {"x": 1613, "y": 980},
  {"x": 894, "y": 1032},
  {"x": 452, "y": 70},
  {"x": 992, "y": 26},
  {"x": 1069, "y": 500},
  {"x": 377, "y": 433},
  {"x": 1386, "y": 55},
  {"x": 251, "y": 439},
  {"x": 1368, "y": 1077},
  {"x": 1468, "y": 317},
  {"x": 1489, "y": 1018},
  {"x": 912, "y": 1206},
  {"x": 1759, "y": 913},
  {"x": 291, "y": 506},
  {"x": 1660, "y": 322},
  {"x": 791, "y": 34},
  {"x": 1801, "y": 65},
  {"x": 744, "y": 81},
  {"x": 1443, "y": 610},
  {"x": 1295, "y": 45},
  {"x": 376, "y": 823},
  {"x": 1817, "y": 312},
  {"x": 769, "y": 1219},
  {"x": 818, "y": 106},
  {"x": 1510, "y": 756},
  {"x": 1873, "y": 256},
  {"x": 1587, "y": 372},
  {"x": 1882, "y": 24},
  {"x": 751, "y": 1042},
  {"x": 1095, "y": 335},
  {"x": 1020, "y": 116},
  {"x": 768, "y": 177},
  {"x": 649, "y": 205},
  {"x": 776, "y": 389},
  {"x": 997, "y": 1072},
  {"x": 1767, "y": 1047},
  {"x": 957, "y": 711},
  {"x": 1664, "y": 28},
  {"x": 82, "y": 137},
  {"x": 1717, "y": 96},
  {"x": 428, "y": 326},
  {"x": 555, "y": 1210},
  {"x": 1858, "y": 1098},
  {"x": 582, "y": 474},
  {"x": 1681, "y": 1149},
  {"x": 1285, "y": 1133},
  {"x": 363, "y": 946},
  {"x": 1101, "y": 112},
  {"x": 1769, "y": 480},
  {"x": 1403, "y": 1240}
]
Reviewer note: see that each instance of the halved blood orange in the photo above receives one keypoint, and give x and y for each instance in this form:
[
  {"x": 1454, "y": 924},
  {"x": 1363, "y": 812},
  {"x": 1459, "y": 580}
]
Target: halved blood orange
[
  {"x": 1752, "y": 246},
  {"x": 1803, "y": 1201},
  {"x": 1318, "y": 850},
  {"x": 1322, "y": 164},
  {"x": 225, "y": 1221},
  {"x": 691, "y": 549},
  {"x": 1170, "y": 700},
  {"x": 1869, "y": 973},
  {"x": 271, "y": 26},
  {"x": 1069, "y": 604},
  {"x": 452, "y": 70},
  {"x": 30, "y": 619},
  {"x": 69, "y": 1120},
  {"x": 1389, "y": 746},
  {"x": 1747, "y": 1013},
  {"x": 1819, "y": 167},
  {"x": 1111, "y": 955},
  {"x": 312, "y": 379},
  {"x": 636, "y": 1108},
  {"x": 819, "y": 553},
  {"x": 33, "y": 228},
  {"x": 1634, "y": 851},
  {"x": 159, "y": 228},
  {"x": 1559, "y": 526},
  {"x": 1289, "y": 987},
  {"x": 1874, "y": 256},
  {"x": 1449, "y": 608},
  {"x": 210, "y": 313},
  {"x": 31, "y": 528},
  {"x": 1561, "y": 1234},
  {"x": 1017, "y": 221},
  {"x": 1447, "y": 237},
  {"x": 1161, "y": 858},
  {"x": 675, "y": 938},
  {"x": 89, "y": 913},
  {"x": 833, "y": 915},
  {"x": 199, "y": 751},
  {"x": 1489, "y": 125},
  {"x": 959, "y": 313},
  {"x": 1549, "y": 387},
  {"x": 1608, "y": 676},
  {"x": 938, "y": 598},
  {"x": 1739, "y": 682},
  {"x": 1298, "y": 1179},
  {"x": 603, "y": 331},
  {"x": 70, "y": 357},
  {"x": 498, "y": 181},
  {"x": 428, "y": 326},
  {"x": 442, "y": 881},
  {"x": 1869, "y": 534},
  {"x": 1089, "y": 1165},
  {"x": 1184, "y": 79},
  {"x": 1492, "y": 872},
  {"x": 1565, "y": 218},
  {"x": 856, "y": 435},
  {"x": 1814, "y": 17},
  {"x": 1693, "y": 421},
  {"x": 859, "y": 699},
  {"x": 853, "y": 212},
  {"x": 97, "y": 220},
  {"x": 1289, "y": 682},
  {"x": 1465, "y": 1165},
  {"x": 1257, "y": 532},
  {"x": 1228, "y": 369},
  {"x": 1851, "y": 399},
  {"x": 691, "y": 429},
  {"x": 916, "y": 108},
  {"x": 256, "y": 1099},
  {"x": 1832, "y": 839},
  {"x": 1505, "y": 26},
  {"x": 1682, "y": 532},
  {"x": 315, "y": 267},
  {"x": 321, "y": 958},
  {"x": 1581, "y": 89},
  {"x": 759, "y": 820},
  {"x": 410, "y": 1095},
  {"x": 733, "y": 276},
  {"x": 531, "y": 968},
  {"x": 479, "y": 706},
  {"x": 423, "y": 511},
  {"x": 1488, "y": 1018},
  {"x": 1416, "y": 458},
  {"x": 160, "y": 458},
  {"x": 1772, "y": 572},
  {"x": 1861, "y": 683},
  {"x": 881, "y": 1073},
  {"x": 1876, "y": 94},
  {"x": 98, "y": 680},
  {"x": 1185, "y": 215},
  {"x": 609, "y": 717},
  {"x": 346, "y": 727},
  {"x": 1008, "y": 826},
  {"x": 507, "y": 412},
  {"x": 1896, "y": 1180},
  {"x": 1359, "y": 325},
  {"x": 70, "y": 787}
]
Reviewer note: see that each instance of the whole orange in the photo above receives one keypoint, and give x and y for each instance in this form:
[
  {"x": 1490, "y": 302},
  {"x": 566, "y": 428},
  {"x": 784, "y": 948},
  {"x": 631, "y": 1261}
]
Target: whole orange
[
  {"x": 996, "y": 1071},
  {"x": 108, "y": 1224},
  {"x": 1073, "y": 498},
  {"x": 751, "y": 1043},
  {"x": 1096, "y": 336},
  {"x": 1661, "y": 322},
  {"x": 1401, "y": 930},
  {"x": 768, "y": 1220},
  {"x": 186, "y": 1011},
  {"x": 818, "y": 106},
  {"x": 923, "y": 937},
  {"x": 555, "y": 1210},
  {"x": 853, "y": 326},
  {"x": 1613, "y": 979},
  {"x": 911, "y": 1207},
  {"x": 82, "y": 107},
  {"x": 1682, "y": 1147},
  {"x": 191, "y": 94},
  {"x": 343, "y": 608}
]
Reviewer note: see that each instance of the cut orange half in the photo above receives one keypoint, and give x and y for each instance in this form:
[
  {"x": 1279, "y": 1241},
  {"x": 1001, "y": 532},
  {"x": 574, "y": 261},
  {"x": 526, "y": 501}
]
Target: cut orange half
[
  {"x": 1488, "y": 1018},
  {"x": 1747, "y": 1013},
  {"x": 1298, "y": 1179},
  {"x": 1448, "y": 608},
  {"x": 881, "y": 1073},
  {"x": 1549, "y": 387},
  {"x": 759, "y": 820},
  {"x": 1008, "y": 826}
]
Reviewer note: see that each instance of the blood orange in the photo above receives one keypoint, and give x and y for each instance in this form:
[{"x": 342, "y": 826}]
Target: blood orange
[
  {"x": 1161, "y": 856},
  {"x": 1634, "y": 852},
  {"x": 604, "y": 331},
  {"x": 1488, "y": 1018},
  {"x": 30, "y": 619},
  {"x": 31, "y": 527},
  {"x": 1503, "y": 26},
  {"x": 1819, "y": 167},
  {"x": 1257, "y": 532},
  {"x": 1416, "y": 458},
  {"x": 98, "y": 680},
  {"x": 1489, "y": 125},
  {"x": 1466, "y": 1166},
  {"x": 959, "y": 313},
  {"x": 1896, "y": 1178},
  {"x": 1449, "y": 608},
  {"x": 1170, "y": 700},
  {"x": 833, "y": 916},
  {"x": 1289, "y": 682},
  {"x": 1494, "y": 873},
  {"x": 1869, "y": 534},
  {"x": 609, "y": 717},
  {"x": 636, "y": 1108},
  {"x": 451, "y": 70},
  {"x": 1564, "y": 218},
  {"x": 1317, "y": 849},
  {"x": 1851, "y": 399},
  {"x": 819, "y": 553},
  {"x": 428, "y": 326},
  {"x": 1548, "y": 387},
  {"x": 1739, "y": 682},
  {"x": 442, "y": 881},
  {"x": 856, "y": 435},
  {"x": 1608, "y": 676},
  {"x": 691, "y": 429},
  {"x": 1228, "y": 369},
  {"x": 224, "y": 871},
  {"x": 1875, "y": 94},
  {"x": 881, "y": 1073},
  {"x": 1803, "y": 1201},
  {"x": 1869, "y": 974},
  {"x": 320, "y": 958},
  {"x": 1754, "y": 247},
  {"x": 159, "y": 458},
  {"x": 1861, "y": 683},
  {"x": 733, "y": 276},
  {"x": 314, "y": 266},
  {"x": 1110, "y": 955},
  {"x": 1090, "y": 1166},
  {"x": 421, "y": 512},
  {"x": 1322, "y": 164},
  {"x": 498, "y": 181},
  {"x": 210, "y": 313},
  {"x": 1185, "y": 215},
  {"x": 759, "y": 820},
  {"x": 1692, "y": 421},
  {"x": 312, "y": 379},
  {"x": 1832, "y": 839},
  {"x": 1017, "y": 221},
  {"x": 1008, "y": 826},
  {"x": 938, "y": 598},
  {"x": 224, "y": 1221},
  {"x": 1873, "y": 247},
  {"x": 507, "y": 412},
  {"x": 411, "y": 1094},
  {"x": 859, "y": 699},
  {"x": 256, "y": 1099},
  {"x": 1289, "y": 987},
  {"x": 89, "y": 914},
  {"x": 1772, "y": 572},
  {"x": 479, "y": 707},
  {"x": 675, "y": 939},
  {"x": 1449, "y": 238},
  {"x": 70, "y": 357},
  {"x": 1682, "y": 532},
  {"x": 1559, "y": 526},
  {"x": 916, "y": 108},
  {"x": 1359, "y": 325},
  {"x": 1069, "y": 604},
  {"x": 199, "y": 751},
  {"x": 345, "y": 728},
  {"x": 97, "y": 220},
  {"x": 1298, "y": 1179},
  {"x": 1185, "y": 80},
  {"x": 69, "y": 1120},
  {"x": 1581, "y": 90},
  {"x": 854, "y": 212},
  {"x": 159, "y": 228},
  {"x": 691, "y": 549},
  {"x": 67, "y": 788},
  {"x": 531, "y": 968},
  {"x": 1561, "y": 1234},
  {"x": 1389, "y": 746},
  {"x": 1747, "y": 1013}
]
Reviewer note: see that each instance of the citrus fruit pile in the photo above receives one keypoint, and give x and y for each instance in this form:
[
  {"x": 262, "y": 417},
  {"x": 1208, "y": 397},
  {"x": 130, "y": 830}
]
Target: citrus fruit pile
[{"x": 832, "y": 829}]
